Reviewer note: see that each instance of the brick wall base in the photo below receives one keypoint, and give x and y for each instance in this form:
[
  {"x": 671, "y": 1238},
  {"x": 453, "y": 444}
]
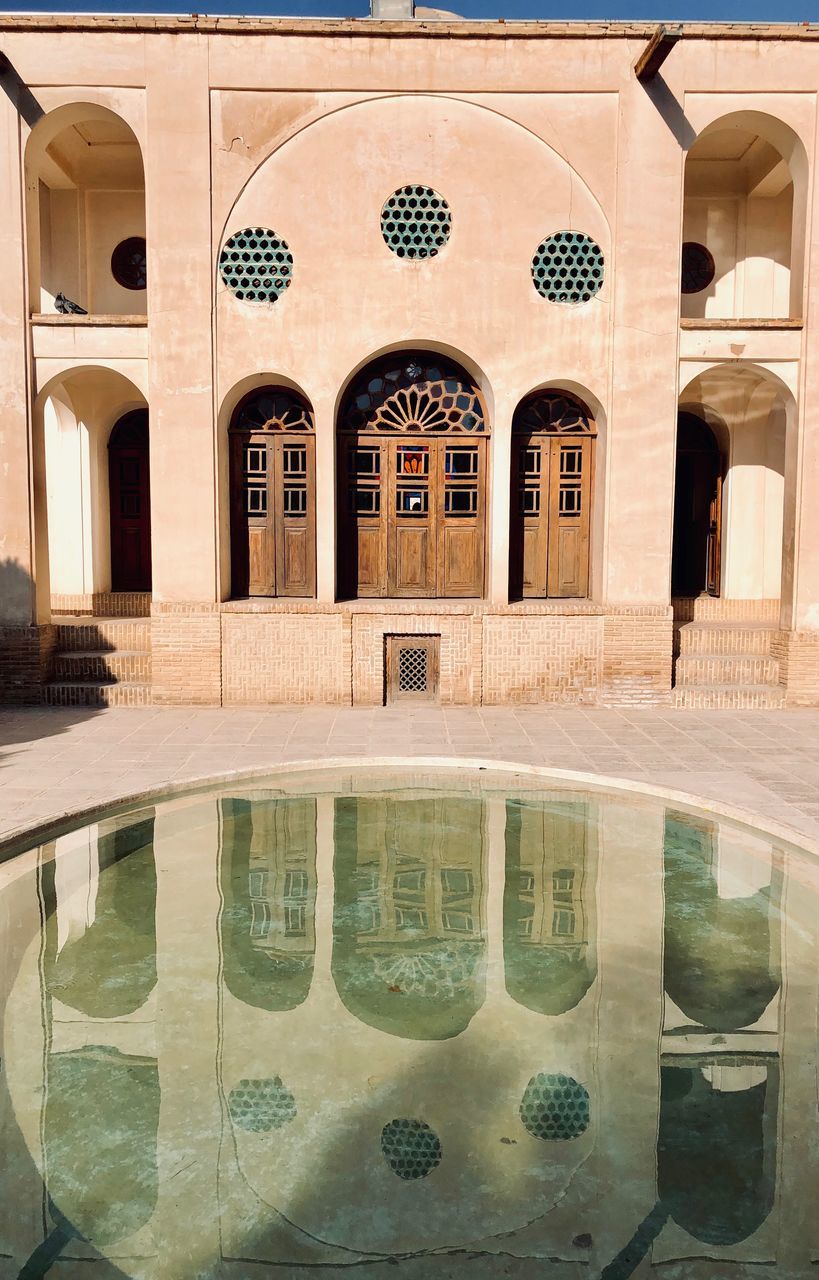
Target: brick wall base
[
  {"x": 26, "y": 659},
  {"x": 186, "y": 657},
  {"x": 104, "y": 604},
  {"x": 798, "y": 655},
  {"x": 275, "y": 652}
]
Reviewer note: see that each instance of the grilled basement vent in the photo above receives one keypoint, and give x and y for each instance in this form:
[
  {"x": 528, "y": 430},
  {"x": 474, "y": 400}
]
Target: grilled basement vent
[
  {"x": 412, "y": 668},
  {"x": 568, "y": 267}
]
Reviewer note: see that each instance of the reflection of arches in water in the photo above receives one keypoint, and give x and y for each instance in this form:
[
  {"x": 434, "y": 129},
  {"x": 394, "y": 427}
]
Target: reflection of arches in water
[
  {"x": 110, "y": 969},
  {"x": 408, "y": 934},
  {"x": 716, "y": 1150},
  {"x": 101, "y": 1125},
  {"x": 549, "y": 946},
  {"x": 721, "y": 962},
  {"x": 268, "y": 878}
]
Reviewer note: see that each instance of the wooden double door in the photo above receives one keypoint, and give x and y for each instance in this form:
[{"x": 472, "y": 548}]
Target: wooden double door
[
  {"x": 551, "y": 515},
  {"x": 412, "y": 516},
  {"x": 273, "y": 527}
]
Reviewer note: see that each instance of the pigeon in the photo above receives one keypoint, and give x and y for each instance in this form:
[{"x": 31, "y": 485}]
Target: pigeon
[{"x": 68, "y": 308}]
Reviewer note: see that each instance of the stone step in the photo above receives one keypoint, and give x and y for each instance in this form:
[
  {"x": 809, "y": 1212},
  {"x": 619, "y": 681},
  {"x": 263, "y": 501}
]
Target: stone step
[
  {"x": 725, "y": 669},
  {"x": 728, "y": 697},
  {"x": 736, "y": 639},
  {"x": 717, "y": 609},
  {"x": 96, "y": 693},
  {"x": 121, "y": 665},
  {"x": 93, "y": 635}
]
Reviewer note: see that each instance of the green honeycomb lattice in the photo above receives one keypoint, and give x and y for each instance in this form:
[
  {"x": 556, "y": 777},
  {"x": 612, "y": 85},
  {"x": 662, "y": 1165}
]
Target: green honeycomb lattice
[
  {"x": 416, "y": 222},
  {"x": 555, "y": 1107},
  {"x": 256, "y": 265},
  {"x": 568, "y": 267}
]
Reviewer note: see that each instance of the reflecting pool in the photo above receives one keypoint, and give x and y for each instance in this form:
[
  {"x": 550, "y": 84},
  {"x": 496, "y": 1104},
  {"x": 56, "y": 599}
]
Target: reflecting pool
[{"x": 434, "y": 1024}]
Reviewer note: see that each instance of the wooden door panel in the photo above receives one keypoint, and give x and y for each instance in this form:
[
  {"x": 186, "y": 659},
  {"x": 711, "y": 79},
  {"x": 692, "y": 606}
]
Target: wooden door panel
[
  {"x": 534, "y": 560},
  {"x": 414, "y": 563},
  {"x": 294, "y": 516},
  {"x": 295, "y": 562},
  {"x": 261, "y": 568},
  {"x": 462, "y": 561},
  {"x": 569, "y": 516},
  {"x": 368, "y": 559}
]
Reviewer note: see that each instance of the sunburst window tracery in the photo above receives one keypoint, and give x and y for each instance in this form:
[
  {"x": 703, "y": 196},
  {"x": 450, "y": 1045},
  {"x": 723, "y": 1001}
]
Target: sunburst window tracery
[{"x": 414, "y": 395}]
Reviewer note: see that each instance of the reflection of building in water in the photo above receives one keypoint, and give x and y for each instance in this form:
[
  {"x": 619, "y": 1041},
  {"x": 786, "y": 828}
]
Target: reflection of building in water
[
  {"x": 268, "y": 878},
  {"x": 720, "y": 1051},
  {"x": 100, "y": 906},
  {"x": 408, "y": 916},
  {"x": 548, "y": 910},
  {"x": 721, "y": 966}
]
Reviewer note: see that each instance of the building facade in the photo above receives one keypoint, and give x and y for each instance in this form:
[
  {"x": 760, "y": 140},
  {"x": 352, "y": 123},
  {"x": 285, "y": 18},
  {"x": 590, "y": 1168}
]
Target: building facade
[{"x": 365, "y": 361}]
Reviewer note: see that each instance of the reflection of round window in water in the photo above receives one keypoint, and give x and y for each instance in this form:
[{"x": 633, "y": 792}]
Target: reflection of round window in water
[
  {"x": 568, "y": 267},
  {"x": 410, "y": 1148},
  {"x": 256, "y": 265},
  {"x": 698, "y": 269},
  {"x": 555, "y": 1107},
  {"x": 416, "y": 222},
  {"x": 261, "y": 1105},
  {"x": 128, "y": 263}
]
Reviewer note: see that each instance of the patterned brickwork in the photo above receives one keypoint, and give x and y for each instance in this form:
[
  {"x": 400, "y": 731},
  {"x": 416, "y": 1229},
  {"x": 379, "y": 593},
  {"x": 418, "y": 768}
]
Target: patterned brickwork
[
  {"x": 729, "y": 697},
  {"x": 798, "y": 655},
  {"x": 26, "y": 656},
  {"x": 104, "y": 604},
  {"x": 285, "y": 657},
  {"x": 636, "y": 658},
  {"x": 541, "y": 659},
  {"x": 460, "y": 673},
  {"x": 61, "y": 693},
  {"x": 726, "y": 669},
  {"x": 186, "y": 654}
]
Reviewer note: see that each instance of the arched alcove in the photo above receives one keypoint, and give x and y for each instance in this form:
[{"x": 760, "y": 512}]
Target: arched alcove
[
  {"x": 744, "y": 220},
  {"x": 75, "y": 419},
  {"x": 85, "y": 187},
  {"x": 412, "y": 461},
  {"x": 744, "y": 418}
]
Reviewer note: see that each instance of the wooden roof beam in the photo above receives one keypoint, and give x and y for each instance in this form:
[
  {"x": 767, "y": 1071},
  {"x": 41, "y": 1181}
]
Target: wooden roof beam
[{"x": 656, "y": 52}]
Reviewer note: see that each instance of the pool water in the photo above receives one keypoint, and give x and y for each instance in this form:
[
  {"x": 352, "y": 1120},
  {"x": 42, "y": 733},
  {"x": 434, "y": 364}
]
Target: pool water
[{"x": 429, "y": 1025}]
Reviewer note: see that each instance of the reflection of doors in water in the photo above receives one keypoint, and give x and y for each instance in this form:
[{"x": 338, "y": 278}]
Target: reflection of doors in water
[
  {"x": 130, "y": 498},
  {"x": 695, "y": 560}
]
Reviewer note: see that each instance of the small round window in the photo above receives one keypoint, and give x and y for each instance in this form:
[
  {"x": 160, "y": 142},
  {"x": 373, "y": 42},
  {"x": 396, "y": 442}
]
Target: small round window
[
  {"x": 256, "y": 265},
  {"x": 698, "y": 269},
  {"x": 568, "y": 267},
  {"x": 128, "y": 263},
  {"x": 416, "y": 222}
]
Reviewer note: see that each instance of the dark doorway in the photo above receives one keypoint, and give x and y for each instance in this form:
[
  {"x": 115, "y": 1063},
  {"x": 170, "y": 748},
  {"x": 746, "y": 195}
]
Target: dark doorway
[
  {"x": 130, "y": 498},
  {"x": 695, "y": 557}
]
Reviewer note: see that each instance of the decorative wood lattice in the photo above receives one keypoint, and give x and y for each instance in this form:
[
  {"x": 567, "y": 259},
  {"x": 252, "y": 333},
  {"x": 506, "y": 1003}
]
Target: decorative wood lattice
[
  {"x": 416, "y": 222},
  {"x": 554, "y": 412},
  {"x": 413, "y": 394},
  {"x": 698, "y": 267},
  {"x": 256, "y": 265},
  {"x": 273, "y": 409}
]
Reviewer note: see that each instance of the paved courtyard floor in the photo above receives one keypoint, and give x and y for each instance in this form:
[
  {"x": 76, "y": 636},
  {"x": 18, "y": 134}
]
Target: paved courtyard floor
[{"x": 57, "y": 761}]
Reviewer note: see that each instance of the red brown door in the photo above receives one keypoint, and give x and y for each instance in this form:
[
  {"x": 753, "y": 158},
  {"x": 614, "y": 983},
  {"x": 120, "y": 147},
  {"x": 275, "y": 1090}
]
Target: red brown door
[{"x": 130, "y": 503}]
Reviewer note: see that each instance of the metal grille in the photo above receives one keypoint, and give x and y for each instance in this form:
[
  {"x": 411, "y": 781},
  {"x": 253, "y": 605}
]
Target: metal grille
[
  {"x": 416, "y": 222},
  {"x": 698, "y": 268},
  {"x": 413, "y": 665},
  {"x": 256, "y": 265},
  {"x": 568, "y": 267}
]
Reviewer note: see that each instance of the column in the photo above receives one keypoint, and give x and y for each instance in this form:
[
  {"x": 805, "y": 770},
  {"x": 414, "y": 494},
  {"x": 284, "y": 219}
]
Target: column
[{"x": 186, "y": 620}]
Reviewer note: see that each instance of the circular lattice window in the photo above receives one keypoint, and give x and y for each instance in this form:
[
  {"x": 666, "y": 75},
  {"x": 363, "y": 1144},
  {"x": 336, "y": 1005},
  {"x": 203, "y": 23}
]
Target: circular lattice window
[
  {"x": 698, "y": 269},
  {"x": 256, "y": 265},
  {"x": 555, "y": 1107},
  {"x": 261, "y": 1105},
  {"x": 416, "y": 222},
  {"x": 128, "y": 263},
  {"x": 568, "y": 267},
  {"x": 410, "y": 1148}
]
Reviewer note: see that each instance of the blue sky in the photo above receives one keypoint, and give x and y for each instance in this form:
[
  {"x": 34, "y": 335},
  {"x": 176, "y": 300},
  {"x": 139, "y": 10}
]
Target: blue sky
[{"x": 684, "y": 10}]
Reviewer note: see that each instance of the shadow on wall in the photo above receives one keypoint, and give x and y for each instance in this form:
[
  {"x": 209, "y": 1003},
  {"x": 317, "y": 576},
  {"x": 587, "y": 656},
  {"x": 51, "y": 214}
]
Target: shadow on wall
[{"x": 24, "y": 665}]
